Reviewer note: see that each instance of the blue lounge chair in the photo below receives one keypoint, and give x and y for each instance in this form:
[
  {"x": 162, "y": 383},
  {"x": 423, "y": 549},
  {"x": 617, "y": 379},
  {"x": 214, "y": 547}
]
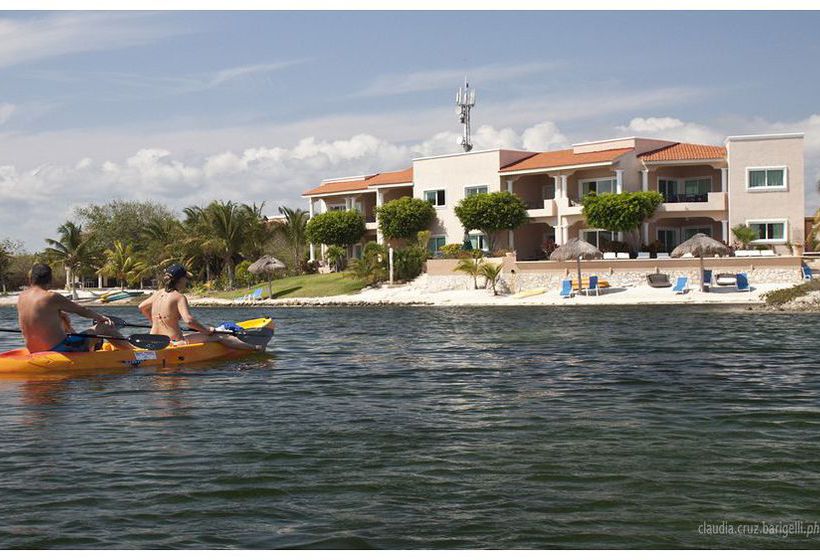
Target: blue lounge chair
[
  {"x": 681, "y": 285},
  {"x": 807, "y": 273},
  {"x": 593, "y": 286},
  {"x": 707, "y": 277},
  {"x": 566, "y": 288},
  {"x": 256, "y": 295},
  {"x": 743, "y": 282}
]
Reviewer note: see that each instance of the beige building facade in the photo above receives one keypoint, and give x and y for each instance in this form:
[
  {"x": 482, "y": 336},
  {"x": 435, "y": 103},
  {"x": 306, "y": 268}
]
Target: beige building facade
[{"x": 755, "y": 180}]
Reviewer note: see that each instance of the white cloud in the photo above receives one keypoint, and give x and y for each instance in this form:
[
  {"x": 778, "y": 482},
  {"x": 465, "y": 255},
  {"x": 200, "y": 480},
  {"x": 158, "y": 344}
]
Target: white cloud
[
  {"x": 413, "y": 82},
  {"x": 6, "y": 110},
  {"x": 23, "y": 40},
  {"x": 671, "y": 128},
  {"x": 220, "y": 77},
  {"x": 543, "y": 137}
]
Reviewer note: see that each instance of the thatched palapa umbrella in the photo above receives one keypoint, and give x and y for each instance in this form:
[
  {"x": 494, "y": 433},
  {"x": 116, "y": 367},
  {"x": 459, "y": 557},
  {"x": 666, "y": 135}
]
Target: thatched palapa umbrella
[
  {"x": 267, "y": 265},
  {"x": 700, "y": 245},
  {"x": 575, "y": 250}
]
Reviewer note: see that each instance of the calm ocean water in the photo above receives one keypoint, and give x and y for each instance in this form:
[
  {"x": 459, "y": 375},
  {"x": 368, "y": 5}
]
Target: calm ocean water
[{"x": 421, "y": 427}]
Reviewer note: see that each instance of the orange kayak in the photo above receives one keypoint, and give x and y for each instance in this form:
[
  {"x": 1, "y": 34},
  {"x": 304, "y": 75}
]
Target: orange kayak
[{"x": 20, "y": 361}]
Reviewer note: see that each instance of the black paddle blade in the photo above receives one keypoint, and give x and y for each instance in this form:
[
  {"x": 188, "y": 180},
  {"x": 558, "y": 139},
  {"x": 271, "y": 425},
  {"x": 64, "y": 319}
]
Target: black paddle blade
[
  {"x": 149, "y": 341},
  {"x": 118, "y": 322},
  {"x": 257, "y": 337}
]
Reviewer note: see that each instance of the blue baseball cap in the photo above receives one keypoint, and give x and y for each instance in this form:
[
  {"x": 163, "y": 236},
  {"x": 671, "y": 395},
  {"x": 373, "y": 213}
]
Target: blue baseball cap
[{"x": 177, "y": 271}]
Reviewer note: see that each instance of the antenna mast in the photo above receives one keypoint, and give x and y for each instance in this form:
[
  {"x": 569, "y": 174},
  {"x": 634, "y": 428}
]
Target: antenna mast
[{"x": 465, "y": 101}]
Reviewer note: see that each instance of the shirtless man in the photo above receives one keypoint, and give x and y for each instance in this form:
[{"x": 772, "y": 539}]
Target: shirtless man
[
  {"x": 167, "y": 307},
  {"x": 43, "y": 317}
]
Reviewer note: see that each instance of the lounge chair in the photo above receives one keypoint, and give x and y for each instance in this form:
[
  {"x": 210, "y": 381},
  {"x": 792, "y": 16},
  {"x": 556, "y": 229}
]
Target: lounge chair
[
  {"x": 592, "y": 286},
  {"x": 742, "y": 282},
  {"x": 566, "y": 288},
  {"x": 643, "y": 255},
  {"x": 256, "y": 295},
  {"x": 663, "y": 256},
  {"x": 707, "y": 277},
  {"x": 767, "y": 253},
  {"x": 807, "y": 273},
  {"x": 658, "y": 280},
  {"x": 726, "y": 279},
  {"x": 622, "y": 255},
  {"x": 746, "y": 253},
  {"x": 681, "y": 285},
  {"x": 610, "y": 256}
]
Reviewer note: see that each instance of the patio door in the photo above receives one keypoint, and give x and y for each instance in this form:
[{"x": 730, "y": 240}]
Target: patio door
[
  {"x": 668, "y": 238},
  {"x": 669, "y": 189}
]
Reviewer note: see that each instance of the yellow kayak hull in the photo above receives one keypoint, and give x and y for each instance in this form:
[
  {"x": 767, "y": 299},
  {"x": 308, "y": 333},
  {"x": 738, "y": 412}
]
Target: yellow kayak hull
[{"x": 20, "y": 361}]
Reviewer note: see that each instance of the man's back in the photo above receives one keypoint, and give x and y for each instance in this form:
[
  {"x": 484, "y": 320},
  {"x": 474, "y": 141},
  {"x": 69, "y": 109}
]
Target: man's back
[{"x": 38, "y": 312}]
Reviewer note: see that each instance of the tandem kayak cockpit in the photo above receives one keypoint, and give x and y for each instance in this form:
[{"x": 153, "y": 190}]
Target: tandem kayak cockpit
[{"x": 255, "y": 331}]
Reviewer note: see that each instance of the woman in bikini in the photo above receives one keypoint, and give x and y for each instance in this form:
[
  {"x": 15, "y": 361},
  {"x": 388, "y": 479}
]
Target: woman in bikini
[{"x": 167, "y": 307}]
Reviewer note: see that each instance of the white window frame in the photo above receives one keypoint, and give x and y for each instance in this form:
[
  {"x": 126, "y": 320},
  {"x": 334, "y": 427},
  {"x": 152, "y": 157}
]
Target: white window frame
[
  {"x": 436, "y": 205},
  {"x": 481, "y": 235},
  {"x": 677, "y": 185},
  {"x": 684, "y": 179},
  {"x": 767, "y": 188},
  {"x": 784, "y": 221},
  {"x": 486, "y": 187},
  {"x": 432, "y": 237},
  {"x": 337, "y": 207},
  {"x": 675, "y": 234},
  {"x": 612, "y": 178},
  {"x": 582, "y": 236}
]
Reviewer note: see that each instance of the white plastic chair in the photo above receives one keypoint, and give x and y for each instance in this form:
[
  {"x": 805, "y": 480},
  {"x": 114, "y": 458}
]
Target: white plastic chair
[
  {"x": 622, "y": 255},
  {"x": 608, "y": 256}
]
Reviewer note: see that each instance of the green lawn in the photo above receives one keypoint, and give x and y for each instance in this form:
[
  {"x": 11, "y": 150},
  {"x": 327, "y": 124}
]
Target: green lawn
[{"x": 308, "y": 285}]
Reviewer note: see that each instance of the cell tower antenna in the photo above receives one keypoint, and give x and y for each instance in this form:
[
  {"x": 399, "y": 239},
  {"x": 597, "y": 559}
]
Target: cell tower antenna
[{"x": 465, "y": 101}]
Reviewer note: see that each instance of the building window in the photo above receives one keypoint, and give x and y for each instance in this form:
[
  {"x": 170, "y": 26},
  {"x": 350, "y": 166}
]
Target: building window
[
  {"x": 478, "y": 241},
  {"x": 766, "y": 178},
  {"x": 336, "y": 207},
  {"x": 768, "y": 231},
  {"x": 436, "y": 198},
  {"x": 697, "y": 187},
  {"x": 690, "y": 232},
  {"x": 598, "y": 237},
  {"x": 436, "y": 243},
  {"x": 668, "y": 239},
  {"x": 669, "y": 189},
  {"x": 472, "y": 191},
  {"x": 597, "y": 186}
]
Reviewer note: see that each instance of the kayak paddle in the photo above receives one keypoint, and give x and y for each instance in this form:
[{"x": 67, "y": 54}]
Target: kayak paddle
[
  {"x": 144, "y": 341},
  {"x": 248, "y": 337}
]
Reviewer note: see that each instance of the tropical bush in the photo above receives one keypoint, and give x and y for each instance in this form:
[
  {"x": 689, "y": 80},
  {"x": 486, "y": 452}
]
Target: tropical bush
[
  {"x": 372, "y": 267},
  {"x": 405, "y": 217},
  {"x": 342, "y": 228},
  {"x": 491, "y": 213},
  {"x": 335, "y": 256},
  {"x": 471, "y": 265},
  {"x": 785, "y": 295},
  {"x": 744, "y": 235},
  {"x": 492, "y": 272},
  {"x": 242, "y": 276},
  {"x": 548, "y": 247},
  {"x": 623, "y": 212},
  {"x": 408, "y": 262},
  {"x": 453, "y": 251}
]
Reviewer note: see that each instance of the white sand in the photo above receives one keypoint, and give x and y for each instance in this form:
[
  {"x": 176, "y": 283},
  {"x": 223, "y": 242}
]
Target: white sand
[{"x": 413, "y": 295}]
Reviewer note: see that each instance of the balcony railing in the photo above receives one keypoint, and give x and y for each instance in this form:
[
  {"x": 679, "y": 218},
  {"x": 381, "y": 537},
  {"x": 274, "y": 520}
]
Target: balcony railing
[{"x": 686, "y": 197}]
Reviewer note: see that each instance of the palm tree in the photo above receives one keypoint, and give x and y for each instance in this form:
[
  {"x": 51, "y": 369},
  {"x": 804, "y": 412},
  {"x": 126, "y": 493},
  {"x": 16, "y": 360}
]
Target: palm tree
[
  {"x": 744, "y": 235},
  {"x": 122, "y": 264},
  {"x": 294, "y": 228},
  {"x": 72, "y": 250},
  {"x": 198, "y": 243},
  {"x": 471, "y": 266},
  {"x": 492, "y": 272},
  {"x": 257, "y": 230},
  {"x": 335, "y": 255}
]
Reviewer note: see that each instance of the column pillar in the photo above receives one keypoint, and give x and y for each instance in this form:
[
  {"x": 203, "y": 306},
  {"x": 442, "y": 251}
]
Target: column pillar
[
  {"x": 510, "y": 185},
  {"x": 724, "y": 179},
  {"x": 619, "y": 181},
  {"x": 511, "y": 240},
  {"x": 99, "y": 281},
  {"x": 646, "y": 233},
  {"x": 644, "y": 180},
  {"x": 725, "y": 228}
]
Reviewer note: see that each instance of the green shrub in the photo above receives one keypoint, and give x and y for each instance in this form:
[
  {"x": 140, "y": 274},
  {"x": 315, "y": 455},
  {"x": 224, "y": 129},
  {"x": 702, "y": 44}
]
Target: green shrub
[
  {"x": 405, "y": 217},
  {"x": 409, "y": 262},
  {"x": 373, "y": 266},
  {"x": 620, "y": 212},
  {"x": 452, "y": 251},
  {"x": 241, "y": 274},
  {"x": 336, "y": 228},
  {"x": 335, "y": 256},
  {"x": 491, "y": 213},
  {"x": 780, "y": 297}
]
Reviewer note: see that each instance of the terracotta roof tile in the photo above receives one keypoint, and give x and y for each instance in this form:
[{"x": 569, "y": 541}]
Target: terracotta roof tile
[
  {"x": 339, "y": 186},
  {"x": 683, "y": 151},
  {"x": 392, "y": 177},
  {"x": 379, "y": 179},
  {"x": 564, "y": 158}
]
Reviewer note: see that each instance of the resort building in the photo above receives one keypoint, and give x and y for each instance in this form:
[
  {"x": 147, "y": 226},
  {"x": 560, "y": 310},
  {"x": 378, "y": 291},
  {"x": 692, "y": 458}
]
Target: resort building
[{"x": 755, "y": 180}]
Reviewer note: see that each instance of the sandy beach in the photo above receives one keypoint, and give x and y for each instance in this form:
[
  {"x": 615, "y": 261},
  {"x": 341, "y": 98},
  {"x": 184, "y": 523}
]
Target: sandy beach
[{"x": 413, "y": 294}]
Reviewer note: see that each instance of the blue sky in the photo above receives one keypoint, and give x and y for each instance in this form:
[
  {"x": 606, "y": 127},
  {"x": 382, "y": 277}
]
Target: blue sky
[{"x": 185, "y": 106}]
